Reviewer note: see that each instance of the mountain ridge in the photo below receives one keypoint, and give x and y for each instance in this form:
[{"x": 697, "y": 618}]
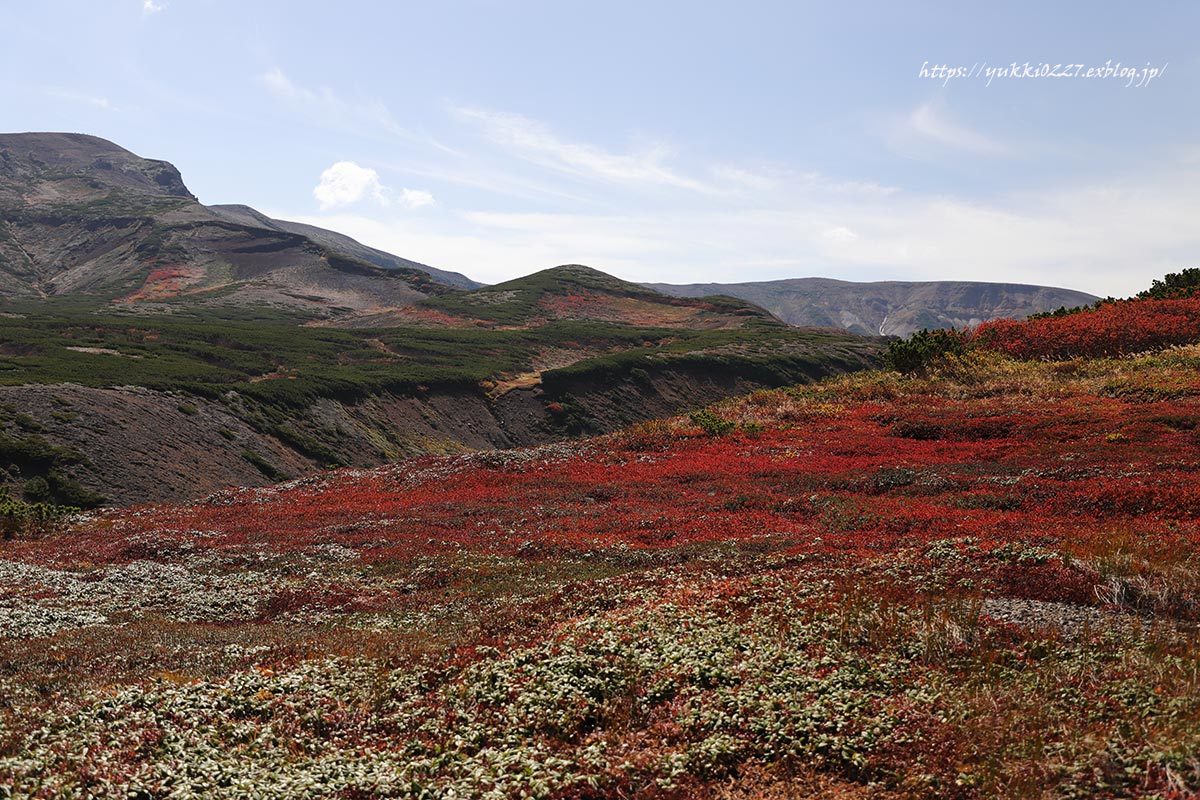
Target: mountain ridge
[
  {"x": 343, "y": 243},
  {"x": 888, "y": 308}
]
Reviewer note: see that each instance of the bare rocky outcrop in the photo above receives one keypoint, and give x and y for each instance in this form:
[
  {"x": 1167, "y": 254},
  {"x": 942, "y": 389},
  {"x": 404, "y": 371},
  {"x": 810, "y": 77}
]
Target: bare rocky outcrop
[{"x": 143, "y": 445}]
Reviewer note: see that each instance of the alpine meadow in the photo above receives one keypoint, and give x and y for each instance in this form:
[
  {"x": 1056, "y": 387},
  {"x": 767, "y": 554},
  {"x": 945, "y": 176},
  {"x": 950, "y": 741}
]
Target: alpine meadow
[{"x": 767, "y": 401}]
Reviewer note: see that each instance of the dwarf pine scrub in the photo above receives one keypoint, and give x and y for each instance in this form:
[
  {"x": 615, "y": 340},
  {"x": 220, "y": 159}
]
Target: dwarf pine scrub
[{"x": 980, "y": 580}]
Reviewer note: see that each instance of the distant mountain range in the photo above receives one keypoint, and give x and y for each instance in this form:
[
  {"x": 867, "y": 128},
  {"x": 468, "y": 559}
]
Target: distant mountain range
[
  {"x": 80, "y": 215},
  {"x": 887, "y": 308}
]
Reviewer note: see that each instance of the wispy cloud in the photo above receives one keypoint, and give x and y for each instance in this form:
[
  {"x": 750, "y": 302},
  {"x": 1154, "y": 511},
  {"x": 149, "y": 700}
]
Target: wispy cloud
[
  {"x": 364, "y": 116},
  {"x": 759, "y": 181},
  {"x": 328, "y": 104},
  {"x": 932, "y": 123},
  {"x": 534, "y": 142},
  {"x": 415, "y": 198},
  {"x": 82, "y": 98},
  {"x": 151, "y": 7}
]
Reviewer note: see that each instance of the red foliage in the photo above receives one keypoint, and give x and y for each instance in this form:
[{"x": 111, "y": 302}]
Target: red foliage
[
  {"x": 871, "y": 478},
  {"x": 1113, "y": 329},
  {"x": 164, "y": 282}
]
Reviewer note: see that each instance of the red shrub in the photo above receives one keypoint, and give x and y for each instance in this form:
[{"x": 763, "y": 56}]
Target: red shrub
[{"x": 1113, "y": 329}]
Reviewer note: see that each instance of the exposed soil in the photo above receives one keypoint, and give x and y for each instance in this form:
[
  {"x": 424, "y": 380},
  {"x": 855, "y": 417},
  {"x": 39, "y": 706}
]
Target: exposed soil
[{"x": 147, "y": 446}]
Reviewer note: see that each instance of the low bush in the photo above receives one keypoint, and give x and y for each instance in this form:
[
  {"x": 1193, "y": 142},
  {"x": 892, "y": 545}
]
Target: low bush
[
  {"x": 712, "y": 424},
  {"x": 20, "y": 519},
  {"x": 919, "y": 351}
]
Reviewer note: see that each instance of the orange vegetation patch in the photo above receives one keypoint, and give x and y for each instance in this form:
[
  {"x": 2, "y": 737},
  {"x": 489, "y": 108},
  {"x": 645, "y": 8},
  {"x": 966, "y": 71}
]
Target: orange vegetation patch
[
  {"x": 166, "y": 282},
  {"x": 627, "y": 310},
  {"x": 429, "y": 316}
]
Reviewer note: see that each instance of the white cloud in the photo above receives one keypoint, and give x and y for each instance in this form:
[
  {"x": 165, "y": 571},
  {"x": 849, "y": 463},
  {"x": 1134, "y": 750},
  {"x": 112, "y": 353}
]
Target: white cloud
[
  {"x": 415, "y": 198},
  {"x": 151, "y": 7},
  {"x": 839, "y": 235},
  {"x": 534, "y": 142},
  {"x": 345, "y": 182},
  {"x": 931, "y": 123}
]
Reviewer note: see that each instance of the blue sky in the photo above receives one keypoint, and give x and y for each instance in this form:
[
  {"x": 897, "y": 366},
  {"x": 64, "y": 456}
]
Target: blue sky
[{"x": 673, "y": 141}]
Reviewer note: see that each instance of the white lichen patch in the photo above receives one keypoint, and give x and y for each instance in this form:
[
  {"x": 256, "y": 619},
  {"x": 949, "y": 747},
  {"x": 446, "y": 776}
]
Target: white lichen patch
[{"x": 40, "y": 601}]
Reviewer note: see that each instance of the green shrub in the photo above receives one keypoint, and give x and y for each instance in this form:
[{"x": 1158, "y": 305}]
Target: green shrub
[
  {"x": 22, "y": 519},
  {"x": 269, "y": 470},
  {"x": 1174, "y": 285},
  {"x": 27, "y": 423},
  {"x": 712, "y": 424},
  {"x": 36, "y": 490},
  {"x": 923, "y": 348},
  {"x": 69, "y": 492}
]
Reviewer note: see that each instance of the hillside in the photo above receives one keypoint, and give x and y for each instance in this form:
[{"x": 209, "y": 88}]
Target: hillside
[
  {"x": 82, "y": 217},
  {"x": 250, "y": 397},
  {"x": 978, "y": 582},
  {"x": 888, "y": 308},
  {"x": 576, "y": 292}
]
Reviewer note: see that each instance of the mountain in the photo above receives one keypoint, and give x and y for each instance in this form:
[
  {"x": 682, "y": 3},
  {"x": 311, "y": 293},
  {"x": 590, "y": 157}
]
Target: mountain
[
  {"x": 888, "y": 308},
  {"x": 81, "y": 216}
]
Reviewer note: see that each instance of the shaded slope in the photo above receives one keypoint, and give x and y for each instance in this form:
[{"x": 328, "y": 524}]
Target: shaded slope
[{"x": 343, "y": 244}]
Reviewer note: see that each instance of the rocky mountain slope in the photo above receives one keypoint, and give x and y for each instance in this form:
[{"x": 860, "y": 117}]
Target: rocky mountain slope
[
  {"x": 288, "y": 348},
  {"x": 888, "y": 308},
  {"x": 341, "y": 243},
  {"x": 81, "y": 216}
]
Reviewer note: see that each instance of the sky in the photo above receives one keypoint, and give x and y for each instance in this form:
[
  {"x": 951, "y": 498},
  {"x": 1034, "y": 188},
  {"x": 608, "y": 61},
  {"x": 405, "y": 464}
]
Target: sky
[{"x": 659, "y": 141}]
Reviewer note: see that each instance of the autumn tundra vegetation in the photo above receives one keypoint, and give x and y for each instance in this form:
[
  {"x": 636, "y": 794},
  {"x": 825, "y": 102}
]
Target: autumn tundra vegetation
[{"x": 971, "y": 575}]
